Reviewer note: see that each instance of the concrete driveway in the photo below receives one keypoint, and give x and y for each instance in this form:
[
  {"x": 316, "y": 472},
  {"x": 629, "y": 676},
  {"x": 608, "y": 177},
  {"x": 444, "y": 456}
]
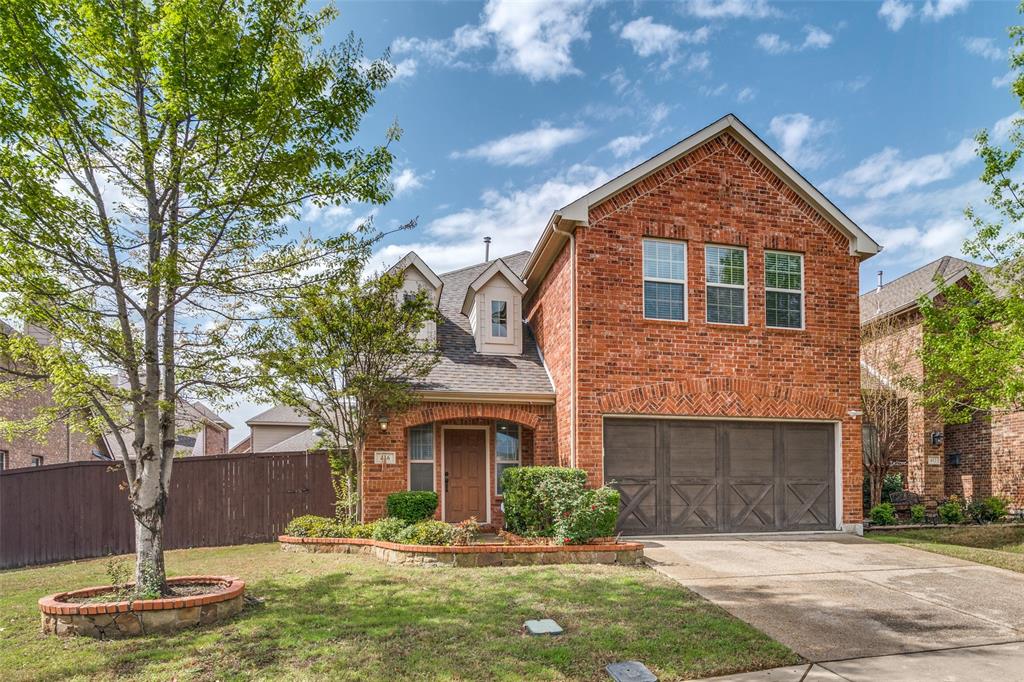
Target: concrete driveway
[{"x": 832, "y": 597}]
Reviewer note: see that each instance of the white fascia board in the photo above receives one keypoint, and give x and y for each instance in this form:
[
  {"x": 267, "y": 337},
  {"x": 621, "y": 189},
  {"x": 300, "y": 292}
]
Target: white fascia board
[
  {"x": 498, "y": 267},
  {"x": 413, "y": 260}
]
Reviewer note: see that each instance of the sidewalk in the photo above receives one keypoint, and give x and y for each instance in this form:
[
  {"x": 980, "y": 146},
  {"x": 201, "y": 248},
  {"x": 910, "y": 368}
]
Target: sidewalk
[{"x": 996, "y": 662}]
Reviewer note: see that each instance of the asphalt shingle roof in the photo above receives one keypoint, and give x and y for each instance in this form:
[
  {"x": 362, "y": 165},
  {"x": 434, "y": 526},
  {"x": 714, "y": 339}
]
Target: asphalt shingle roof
[
  {"x": 461, "y": 368},
  {"x": 905, "y": 290}
]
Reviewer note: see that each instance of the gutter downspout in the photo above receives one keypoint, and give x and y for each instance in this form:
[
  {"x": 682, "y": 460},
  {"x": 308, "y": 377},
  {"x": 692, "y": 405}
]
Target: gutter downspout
[{"x": 570, "y": 233}]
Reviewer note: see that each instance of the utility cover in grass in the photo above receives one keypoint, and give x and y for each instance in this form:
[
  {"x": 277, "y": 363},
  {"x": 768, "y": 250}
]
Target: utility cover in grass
[
  {"x": 630, "y": 671},
  {"x": 544, "y": 626}
]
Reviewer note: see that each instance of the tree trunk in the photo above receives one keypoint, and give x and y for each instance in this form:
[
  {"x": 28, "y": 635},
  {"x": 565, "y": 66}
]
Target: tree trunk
[{"x": 150, "y": 575}]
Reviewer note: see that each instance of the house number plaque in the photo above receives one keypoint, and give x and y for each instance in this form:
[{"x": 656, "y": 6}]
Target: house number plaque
[{"x": 384, "y": 457}]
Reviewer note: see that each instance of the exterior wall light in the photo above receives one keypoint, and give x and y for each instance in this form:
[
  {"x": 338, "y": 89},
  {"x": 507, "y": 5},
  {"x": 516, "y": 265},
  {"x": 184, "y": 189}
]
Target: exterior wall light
[{"x": 383, "y": 421}]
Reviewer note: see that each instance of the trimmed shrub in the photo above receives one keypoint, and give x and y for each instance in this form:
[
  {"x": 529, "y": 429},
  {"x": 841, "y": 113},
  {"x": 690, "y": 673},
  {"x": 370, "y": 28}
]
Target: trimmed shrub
[
  {"x": 429, "y": 533},
  {"x": 917, "y": 513},
  {"x": 310, "y": 526},
  {"x": 465, "y": 531},
  {"x": 363, "y": 531},
  {"x": 883, "y": 514},
  {"x": 388, "y": 529},
  {"x": 988, "y": 510},
  {"x": 412, "y": 505},
  {"x": 952, "y": 511},
  {"x": 593, "y": 514},
  {"x": 536, "y": 496}
]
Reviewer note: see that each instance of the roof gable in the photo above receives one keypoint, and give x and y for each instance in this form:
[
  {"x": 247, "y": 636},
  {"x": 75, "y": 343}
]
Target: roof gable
[
  {"x": 412, "y": 260},
  {"x": 902, "y": 293},
  {"x": 497, "y": 268}
]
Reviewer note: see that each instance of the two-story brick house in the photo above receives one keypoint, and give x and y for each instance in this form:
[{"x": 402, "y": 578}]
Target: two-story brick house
[{"x": 687, "y": 332}]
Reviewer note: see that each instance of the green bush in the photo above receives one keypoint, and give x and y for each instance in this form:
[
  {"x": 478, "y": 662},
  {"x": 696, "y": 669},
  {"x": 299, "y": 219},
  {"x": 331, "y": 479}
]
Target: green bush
[
  {"x": 917, "y": 513},
  {"x": 988, "y": 510},
  {"x": 892, "y": 483},
  {"x": 388, "y": 529},
  {"x": 593, "y": 514},
  {"x": 952, "y": 511},
  {"x": 363, "y": 531},
  {"x": 883, "y": 514},
  {"x": 536, "y": 496},
  {"x": 412, "y": 505},
  {"x": 428, "y": 533},
  {"x": 310, "y": 526}
]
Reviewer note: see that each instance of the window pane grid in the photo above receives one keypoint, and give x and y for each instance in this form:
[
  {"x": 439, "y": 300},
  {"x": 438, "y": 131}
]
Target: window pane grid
[
  {"x": 499, "y": 318},
  {"x": 421, "y": 443},
  {"x": 506, "y": 450},
  {"x": 783, "y": 280},
  {"x": 664, "y": 268},
  {"x": 726, "y": 270}
]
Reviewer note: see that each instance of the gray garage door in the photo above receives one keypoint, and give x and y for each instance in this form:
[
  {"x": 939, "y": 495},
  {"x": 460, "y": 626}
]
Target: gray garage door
[{"x": 679, "y": 476}]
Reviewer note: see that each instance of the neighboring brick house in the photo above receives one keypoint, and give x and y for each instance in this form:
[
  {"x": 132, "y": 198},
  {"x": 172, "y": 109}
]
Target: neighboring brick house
[
  {"x": 201, "y": 431},
  {"x": 688, "y": 333},
  {"x": 977, "y": 459},
  {"x": 60, "y": 444}
]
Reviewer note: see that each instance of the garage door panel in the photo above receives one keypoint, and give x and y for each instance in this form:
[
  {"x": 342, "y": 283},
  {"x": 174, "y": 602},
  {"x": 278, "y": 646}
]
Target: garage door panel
[
  {"x": 690, "y": 476},
  {"x": 694, "y": 505}
]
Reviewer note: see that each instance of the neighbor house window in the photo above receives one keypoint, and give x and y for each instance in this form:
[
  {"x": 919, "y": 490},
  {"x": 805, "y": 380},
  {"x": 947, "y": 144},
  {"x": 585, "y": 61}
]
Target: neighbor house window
[
  {"x": 506, "y": 450},
  {"x": 664, "y": 279},
  {"x": 499, "y": 318},
  {"x": 784, "y": 290},
  {"x": 3, "y": 460},
  {"x": 421, "y": 457},
  {"x": 726, "y": 284},
  {"x": 37, "y": 461}
]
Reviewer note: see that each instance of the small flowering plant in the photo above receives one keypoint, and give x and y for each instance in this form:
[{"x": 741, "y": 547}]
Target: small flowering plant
[{"x": 592, "y": 514}]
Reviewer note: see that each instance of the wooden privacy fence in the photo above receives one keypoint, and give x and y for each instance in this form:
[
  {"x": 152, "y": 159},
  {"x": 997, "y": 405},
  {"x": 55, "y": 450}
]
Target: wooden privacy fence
[{"x": 79, "y": 510}]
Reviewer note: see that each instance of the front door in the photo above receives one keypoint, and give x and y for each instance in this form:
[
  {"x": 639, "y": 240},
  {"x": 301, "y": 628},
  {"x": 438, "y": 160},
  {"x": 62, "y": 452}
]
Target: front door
[{"x": 465, "y": 474}]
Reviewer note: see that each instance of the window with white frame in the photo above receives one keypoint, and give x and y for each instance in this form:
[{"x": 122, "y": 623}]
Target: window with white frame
[
  {"x": 499, "y": 318},
  {"x": 506, "y": 451},
  {"x": 664, "y": 279},
  {"x": 3, "y": 460},
  {"x": 37, "y": 461},
  {"x": 421, "y": 457},
  {"x": 726, "y": 269},
  {"x": 784, "y": 289}
]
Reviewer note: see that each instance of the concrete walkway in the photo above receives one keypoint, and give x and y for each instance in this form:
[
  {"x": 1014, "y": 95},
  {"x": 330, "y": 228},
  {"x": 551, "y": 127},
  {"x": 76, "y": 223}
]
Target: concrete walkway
[{"x": 850, "y": 604}]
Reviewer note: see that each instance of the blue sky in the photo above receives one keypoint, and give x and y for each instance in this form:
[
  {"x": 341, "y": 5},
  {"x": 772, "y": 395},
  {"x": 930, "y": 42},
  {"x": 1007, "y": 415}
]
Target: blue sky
[{"x": 512, "y": 109}]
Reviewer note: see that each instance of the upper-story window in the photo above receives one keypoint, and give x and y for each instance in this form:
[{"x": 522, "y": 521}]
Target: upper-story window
[
  {"x": 664, "y": 279},
  {"x": 499, "y": 318},
  {"x": 37, "y": 461},
  {"x": 726, "y": 284},
  {"x": 784, "y": 290},
  {"x": 3, "y": 460}
]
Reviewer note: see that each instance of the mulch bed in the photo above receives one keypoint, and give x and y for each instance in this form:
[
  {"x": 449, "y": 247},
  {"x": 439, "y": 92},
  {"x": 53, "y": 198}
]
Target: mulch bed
[{"x": 178, "y": 590}]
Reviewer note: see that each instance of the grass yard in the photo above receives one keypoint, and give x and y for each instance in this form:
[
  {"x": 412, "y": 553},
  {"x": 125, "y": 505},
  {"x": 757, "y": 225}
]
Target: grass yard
[
  {"x": 348, "y": 617},
  {"x": 1001, "y": 546}
]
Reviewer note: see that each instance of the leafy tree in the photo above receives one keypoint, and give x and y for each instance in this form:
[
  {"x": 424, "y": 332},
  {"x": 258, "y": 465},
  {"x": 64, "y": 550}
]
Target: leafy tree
[
  {"x": 344, "y": 353},
  {"x": 153, "y": 155},
  {"x": 973, "y": 349}
]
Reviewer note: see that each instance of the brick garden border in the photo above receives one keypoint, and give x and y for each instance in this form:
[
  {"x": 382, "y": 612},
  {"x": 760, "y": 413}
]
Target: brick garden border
[
  {"x": 624, "y": 553},
  {"x": 108, "y": 620}
]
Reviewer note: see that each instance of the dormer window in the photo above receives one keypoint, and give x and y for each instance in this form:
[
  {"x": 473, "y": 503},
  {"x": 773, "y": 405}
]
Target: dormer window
[
  {"x": 499, "y": 319},
  {"x": 417, "y": 276},
  {"x": 494, "y": 306}
]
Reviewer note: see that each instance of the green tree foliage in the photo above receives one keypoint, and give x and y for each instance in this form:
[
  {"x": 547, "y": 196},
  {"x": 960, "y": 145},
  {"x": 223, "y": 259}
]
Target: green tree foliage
[
  {"x": 344, "y": 353},
  {"x": 153, "y": 154},
  {"x": 973, "y": 350}
]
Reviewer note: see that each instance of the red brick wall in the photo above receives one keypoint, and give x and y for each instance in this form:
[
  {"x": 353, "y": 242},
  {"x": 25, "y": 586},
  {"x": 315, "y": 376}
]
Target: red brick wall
[
  {"x": 380, "y": 480},
  {"x": 55, "y": 448},
  {"x": 215, "y": 441},
  {"x": 991, "y": 458},
  {"x": 549, "y": 314},
  {"x": 717, "y": 194}
]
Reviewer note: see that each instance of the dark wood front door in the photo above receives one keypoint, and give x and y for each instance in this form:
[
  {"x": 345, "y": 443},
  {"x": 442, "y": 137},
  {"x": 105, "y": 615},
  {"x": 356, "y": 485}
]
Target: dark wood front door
[
  {"x": 679, "y": 476},
  {"x": 465, "y": 474}
]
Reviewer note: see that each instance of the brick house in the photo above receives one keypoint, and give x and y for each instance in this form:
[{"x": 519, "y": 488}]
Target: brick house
[
  {"x": 60, "y": 444},
  {"x": 688, "y": 332},
  {"x": 977, "y": 459}
]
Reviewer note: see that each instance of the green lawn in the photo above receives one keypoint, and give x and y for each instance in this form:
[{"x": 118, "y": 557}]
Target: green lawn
[
  {"x": 349, "y": 617},
  {"x": 1001, "y": 546}
]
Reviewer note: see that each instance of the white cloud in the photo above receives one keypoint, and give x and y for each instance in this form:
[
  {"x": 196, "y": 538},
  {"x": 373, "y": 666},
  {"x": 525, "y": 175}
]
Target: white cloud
[
  {"x": 746, "y": 95},
  {"x": 699, "y": 61},
  {"x": 940, "y": 9},
  {"x": 815, "y": 39},
  {"x": 649, "y": 38},
  {"x": 984, "y": 47},
  {"x": 659, "y": 112},
  {"x": 854, "y": 84},
  {"x": 799, "y": 138},
  {"x": 887, "y": 172},
  {"x": 895, "y": 13},
  {"x": 730, "y": 9},
  {"x": 532, "y": 38},
  {"x": 513, "y": 218},
  {"x": 617, "y": 79},
  {"x": 708, "y": 91},
  {"x": 525, "y": 148},
  {"x": 1005, "y": 79},
  {"x": 535, "y": 38},
  {"x": 627, "y": 144},
  {"x": 404, "y": 69},
  {"x": 408, "y": 180}
]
